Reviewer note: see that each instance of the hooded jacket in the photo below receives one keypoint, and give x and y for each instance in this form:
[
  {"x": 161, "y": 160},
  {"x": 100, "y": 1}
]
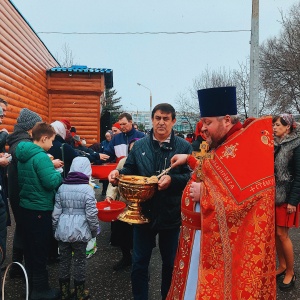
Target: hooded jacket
[
  {"x": 287, "y": 168},
  {"x": 38, "y": 179},
  {"x": 74, "y": 217}
]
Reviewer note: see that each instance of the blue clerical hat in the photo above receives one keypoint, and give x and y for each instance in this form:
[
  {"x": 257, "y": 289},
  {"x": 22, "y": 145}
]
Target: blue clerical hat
[{"x": 216, "y": 102}]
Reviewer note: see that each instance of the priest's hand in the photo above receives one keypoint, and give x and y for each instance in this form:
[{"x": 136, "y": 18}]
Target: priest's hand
[
  {"x": 196, "y": 191},
  {"x": 178, "y": 159},
  {"x": 291, "y": 209}
]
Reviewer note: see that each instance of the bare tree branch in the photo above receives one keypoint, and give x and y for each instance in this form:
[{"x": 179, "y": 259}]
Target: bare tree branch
[
  {"x": 280, "y": 62},
  {"x": 67, "y": 59}
]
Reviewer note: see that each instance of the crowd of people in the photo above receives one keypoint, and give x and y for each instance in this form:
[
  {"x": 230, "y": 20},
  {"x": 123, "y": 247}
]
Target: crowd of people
[{"x": 217, "y": 216}]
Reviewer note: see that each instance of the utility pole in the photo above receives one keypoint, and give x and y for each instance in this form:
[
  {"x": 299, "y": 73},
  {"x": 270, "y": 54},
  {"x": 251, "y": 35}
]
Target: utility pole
[{"x": 254, "y": 61}]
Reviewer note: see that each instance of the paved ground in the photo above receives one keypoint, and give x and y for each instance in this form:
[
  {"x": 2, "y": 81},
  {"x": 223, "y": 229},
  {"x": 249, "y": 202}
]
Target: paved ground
[{"x": 106, "y": 284}]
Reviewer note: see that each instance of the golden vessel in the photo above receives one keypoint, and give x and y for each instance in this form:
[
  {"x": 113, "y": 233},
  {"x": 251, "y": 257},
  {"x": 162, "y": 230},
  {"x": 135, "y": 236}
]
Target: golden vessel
[{"x": 136, "y": 189}]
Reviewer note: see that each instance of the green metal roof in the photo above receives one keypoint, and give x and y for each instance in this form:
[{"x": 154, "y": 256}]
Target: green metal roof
[{"x": 108, "y": 73}]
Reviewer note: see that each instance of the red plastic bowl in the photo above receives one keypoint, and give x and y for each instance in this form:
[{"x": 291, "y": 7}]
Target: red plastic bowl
[
  {"x": 101, "y": 171},
  {"x": 108, "y": 212}
]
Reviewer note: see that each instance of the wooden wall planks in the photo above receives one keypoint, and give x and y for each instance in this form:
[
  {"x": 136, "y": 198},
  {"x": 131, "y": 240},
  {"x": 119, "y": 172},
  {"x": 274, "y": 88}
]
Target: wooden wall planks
[{"x": 24, "y": 82}]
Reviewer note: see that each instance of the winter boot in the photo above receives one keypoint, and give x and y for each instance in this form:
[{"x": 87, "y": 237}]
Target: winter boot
[
  {"x": 122, "y": 264},
  {"x": 80, "y": 292},
  {"x": 125, "y": 261},
  {"x": 41, "y": 289},
  {"x": 66, "y": 293}
]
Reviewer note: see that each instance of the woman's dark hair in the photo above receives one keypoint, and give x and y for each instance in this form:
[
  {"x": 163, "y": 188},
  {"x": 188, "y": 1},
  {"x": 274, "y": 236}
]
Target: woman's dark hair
[
  {"x": 166, "y": 108},
  {"x": 282, "y": 121}
]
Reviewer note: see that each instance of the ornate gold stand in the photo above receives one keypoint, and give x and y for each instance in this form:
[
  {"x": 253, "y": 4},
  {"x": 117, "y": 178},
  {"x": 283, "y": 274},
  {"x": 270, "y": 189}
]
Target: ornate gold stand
[{"x": 135, "y": 189}]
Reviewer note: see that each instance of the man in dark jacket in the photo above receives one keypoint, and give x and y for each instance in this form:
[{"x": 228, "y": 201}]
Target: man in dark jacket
[
  {"x": 150, "y": 156},
  {"x": 118, "y": 146},
  {"x": 25, "y": 122}
]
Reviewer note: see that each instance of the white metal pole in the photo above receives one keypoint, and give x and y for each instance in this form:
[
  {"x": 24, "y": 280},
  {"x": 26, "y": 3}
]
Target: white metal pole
[
  {"x": 254, "y": 62},
  {"x": 150, "y": 101}
]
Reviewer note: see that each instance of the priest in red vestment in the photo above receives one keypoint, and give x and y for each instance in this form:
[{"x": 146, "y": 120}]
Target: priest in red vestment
[{"x": 227, "y": 208}]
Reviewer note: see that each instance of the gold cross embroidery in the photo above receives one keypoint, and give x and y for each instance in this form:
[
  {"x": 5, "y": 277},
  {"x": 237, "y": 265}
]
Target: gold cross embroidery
[{"x": 200, "y": 156}]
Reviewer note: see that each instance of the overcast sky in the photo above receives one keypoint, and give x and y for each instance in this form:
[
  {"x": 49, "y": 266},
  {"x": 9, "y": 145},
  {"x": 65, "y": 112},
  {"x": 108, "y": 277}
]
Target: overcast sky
[{"x": 165, "y": 63}]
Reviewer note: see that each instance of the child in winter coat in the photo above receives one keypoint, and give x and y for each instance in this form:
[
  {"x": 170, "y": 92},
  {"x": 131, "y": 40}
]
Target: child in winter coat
[
  {"x": 38, "y": 181},
  {"x": 75, "y": 222}
]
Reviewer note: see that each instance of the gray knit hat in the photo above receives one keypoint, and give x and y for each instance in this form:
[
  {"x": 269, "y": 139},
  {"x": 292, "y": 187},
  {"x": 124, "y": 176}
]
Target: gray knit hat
[{"x": 27, "y": 119}]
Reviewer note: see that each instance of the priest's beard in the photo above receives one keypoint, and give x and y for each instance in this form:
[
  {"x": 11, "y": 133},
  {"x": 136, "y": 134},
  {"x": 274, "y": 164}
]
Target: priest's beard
[{"x": 216, "y": 138}]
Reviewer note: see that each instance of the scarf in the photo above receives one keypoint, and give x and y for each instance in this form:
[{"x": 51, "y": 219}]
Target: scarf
[
  {"x": 76, "y": 178},
  {"x": 59, "y": 128}
]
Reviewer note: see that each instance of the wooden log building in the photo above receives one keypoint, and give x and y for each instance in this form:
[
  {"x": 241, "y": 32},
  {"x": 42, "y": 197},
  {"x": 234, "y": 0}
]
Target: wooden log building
[{"x": 31, "y": 77}]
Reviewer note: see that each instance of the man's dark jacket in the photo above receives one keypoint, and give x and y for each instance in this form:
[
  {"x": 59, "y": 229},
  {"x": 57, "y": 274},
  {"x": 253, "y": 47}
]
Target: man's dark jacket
[
  {"x": 118, "y": 146},
  {"x": 148, "y": 158},
  {"x": 13, "y": 141}
]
